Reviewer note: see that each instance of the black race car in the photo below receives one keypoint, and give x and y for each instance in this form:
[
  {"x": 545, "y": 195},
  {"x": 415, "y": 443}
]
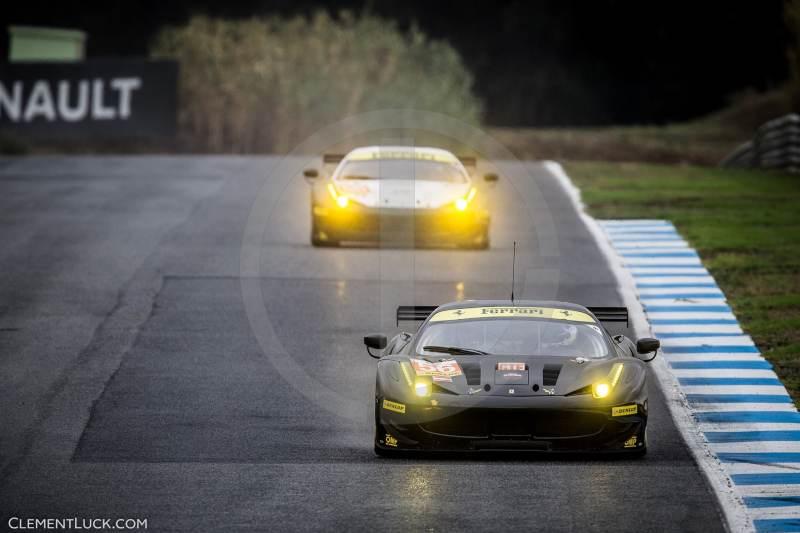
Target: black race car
[{"x": 494, "y": 375}]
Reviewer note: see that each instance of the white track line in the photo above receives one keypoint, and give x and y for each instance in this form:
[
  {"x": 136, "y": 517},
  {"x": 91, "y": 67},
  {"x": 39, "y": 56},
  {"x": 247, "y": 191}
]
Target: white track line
[
  {"x": 697, "y": 328},
  {"x": 739, "y": 340}
]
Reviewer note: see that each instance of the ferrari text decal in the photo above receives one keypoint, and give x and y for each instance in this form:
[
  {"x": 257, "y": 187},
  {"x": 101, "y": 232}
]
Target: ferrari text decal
[
  {"x": 441, "y": 157},
  {"x": 447, "y": 368},
  {"x": 624, "y": 410},
  {"x": 394, "y": 406},
  {"x": 512, "y": 312}
]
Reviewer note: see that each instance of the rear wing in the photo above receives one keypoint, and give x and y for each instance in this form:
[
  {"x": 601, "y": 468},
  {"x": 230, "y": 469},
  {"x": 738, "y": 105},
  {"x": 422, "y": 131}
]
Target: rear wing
[
  {"x": 335, "y": 159},
  {"x": 332, "y": 159},
  {"x": 414, "y": 312},
  {"x": 610, "y": 314},
  {"x": 421, "y": 312}
]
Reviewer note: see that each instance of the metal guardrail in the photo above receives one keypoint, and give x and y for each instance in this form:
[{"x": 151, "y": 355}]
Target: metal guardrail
[{"x": 775, "y": 146}]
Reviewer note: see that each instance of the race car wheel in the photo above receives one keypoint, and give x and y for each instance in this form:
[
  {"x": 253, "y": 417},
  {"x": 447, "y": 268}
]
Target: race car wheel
[
  {"x": 380, "y": 452},
  {"x": 319, "y": 242},
  {"x": 316, "y": 241},
  {"x": 483, "y": 244},
  {"x": 640, "y": 452}
]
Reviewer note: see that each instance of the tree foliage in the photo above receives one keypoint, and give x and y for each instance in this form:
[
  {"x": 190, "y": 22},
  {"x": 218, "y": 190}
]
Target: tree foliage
[
  {"x": 264, "y": 84},
  {"x": 791, "y": 14}
]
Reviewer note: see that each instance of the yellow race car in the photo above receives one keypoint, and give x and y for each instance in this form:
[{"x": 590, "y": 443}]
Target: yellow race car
[{"x": 398, "y": 195}]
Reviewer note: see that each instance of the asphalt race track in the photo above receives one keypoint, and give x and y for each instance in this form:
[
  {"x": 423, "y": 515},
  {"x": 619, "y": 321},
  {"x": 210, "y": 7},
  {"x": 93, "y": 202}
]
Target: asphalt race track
[{"x": 142, "y": 377}]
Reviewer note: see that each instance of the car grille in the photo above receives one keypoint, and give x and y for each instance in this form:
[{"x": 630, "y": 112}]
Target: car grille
[{"x": 520, "y": 424}]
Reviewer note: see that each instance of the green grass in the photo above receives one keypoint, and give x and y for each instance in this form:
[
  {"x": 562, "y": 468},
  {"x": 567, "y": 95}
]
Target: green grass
[{"x": 746, "y": 226}]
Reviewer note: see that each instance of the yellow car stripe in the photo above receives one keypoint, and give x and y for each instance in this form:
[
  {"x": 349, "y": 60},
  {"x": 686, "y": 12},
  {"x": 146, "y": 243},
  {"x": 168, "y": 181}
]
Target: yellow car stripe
[
  {"x": 616, "y": 372},
  {"x": 404, "y": 365}
]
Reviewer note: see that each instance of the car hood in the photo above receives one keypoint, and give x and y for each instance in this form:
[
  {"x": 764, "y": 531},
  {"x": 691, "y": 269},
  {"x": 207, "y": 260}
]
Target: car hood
[{"x": 402, "y": 194}]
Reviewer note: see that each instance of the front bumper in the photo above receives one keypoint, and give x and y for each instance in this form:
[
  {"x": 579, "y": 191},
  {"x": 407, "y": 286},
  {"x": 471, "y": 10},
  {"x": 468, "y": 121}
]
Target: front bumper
[
  {"x": 542, "y": 426},
  {"x": 423, "y": 226}
]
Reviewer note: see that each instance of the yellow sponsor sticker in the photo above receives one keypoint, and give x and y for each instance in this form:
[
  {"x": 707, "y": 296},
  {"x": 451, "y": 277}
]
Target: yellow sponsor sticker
[
  {"x": 630, "y": 443},
  {"x": 394, "y": 406},
  {"x": 521, "y": 311},
  {"x": 390, "y": 441},
  {"x": 624, "y": 410}
]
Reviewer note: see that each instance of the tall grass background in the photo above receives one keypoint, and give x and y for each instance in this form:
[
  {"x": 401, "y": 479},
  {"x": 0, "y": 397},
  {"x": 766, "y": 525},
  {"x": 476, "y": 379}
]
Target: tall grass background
[{"x": 265, "y": 84}]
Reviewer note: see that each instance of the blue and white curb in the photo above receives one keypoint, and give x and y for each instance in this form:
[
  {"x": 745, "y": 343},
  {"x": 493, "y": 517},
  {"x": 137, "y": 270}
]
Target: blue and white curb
[
  {"x": 734, "y": 415},
  {"x": 742, "y": 409}
]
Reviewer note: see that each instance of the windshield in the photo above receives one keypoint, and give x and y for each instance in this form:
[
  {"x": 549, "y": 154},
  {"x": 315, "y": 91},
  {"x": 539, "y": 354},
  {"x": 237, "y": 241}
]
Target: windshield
[
  {"x": 517, "y": 336},
  {"x": 402, "y": 169}
]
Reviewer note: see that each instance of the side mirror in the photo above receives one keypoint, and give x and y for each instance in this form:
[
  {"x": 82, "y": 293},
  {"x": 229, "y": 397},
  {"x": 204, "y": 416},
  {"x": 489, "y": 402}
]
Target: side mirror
[
  {"x": 376, "y": 341},
  {"x": 310, "y": 174},
  {"x": 647, "y": 346},
  {"x": 491, "y": 178}
]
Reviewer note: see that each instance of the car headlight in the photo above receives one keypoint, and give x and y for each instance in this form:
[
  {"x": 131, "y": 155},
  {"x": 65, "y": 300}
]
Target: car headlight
[
  {"x": 422, "y": 388},
  {"x": 462, "y": 203},
  {"x": 604, "y": 388},
  {"x": 340, "y": 199},
  {"x": 600, "y": 390}
]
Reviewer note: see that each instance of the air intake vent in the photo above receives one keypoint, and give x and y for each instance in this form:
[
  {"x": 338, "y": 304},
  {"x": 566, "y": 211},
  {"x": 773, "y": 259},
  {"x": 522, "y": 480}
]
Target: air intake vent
[
  {"x": 472, "y": 371},
  {"x": 550, "y": 375}
]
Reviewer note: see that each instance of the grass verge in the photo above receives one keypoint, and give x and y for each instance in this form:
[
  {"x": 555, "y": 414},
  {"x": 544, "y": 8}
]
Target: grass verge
[{"x": 745, "y": 225}]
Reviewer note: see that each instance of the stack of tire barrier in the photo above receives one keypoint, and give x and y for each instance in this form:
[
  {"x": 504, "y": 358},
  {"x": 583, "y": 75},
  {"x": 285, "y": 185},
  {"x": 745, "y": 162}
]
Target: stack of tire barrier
[{"x": 776, "y": 146}]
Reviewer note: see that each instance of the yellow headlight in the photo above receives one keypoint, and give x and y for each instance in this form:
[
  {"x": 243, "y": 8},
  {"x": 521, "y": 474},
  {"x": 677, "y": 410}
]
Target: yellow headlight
[
  {"x": 462, "y": 203},
  {"x": 600, "y": 390},
  {"x": 603, "y": 389},
  {"x": 341, "y": 199},
  {"x": 422, "y": 388}
]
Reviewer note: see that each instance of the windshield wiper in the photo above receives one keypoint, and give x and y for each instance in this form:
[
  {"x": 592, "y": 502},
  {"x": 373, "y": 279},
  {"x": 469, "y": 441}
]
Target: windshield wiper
[{"x": 454, "y": 350}]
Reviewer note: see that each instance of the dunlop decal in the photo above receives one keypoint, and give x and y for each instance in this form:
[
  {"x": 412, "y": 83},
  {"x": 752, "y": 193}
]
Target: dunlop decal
[
  {"x": 394, "y": 406},
  {"x": 624, "y": 410},
  {"x": 512, "y": 312}
]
